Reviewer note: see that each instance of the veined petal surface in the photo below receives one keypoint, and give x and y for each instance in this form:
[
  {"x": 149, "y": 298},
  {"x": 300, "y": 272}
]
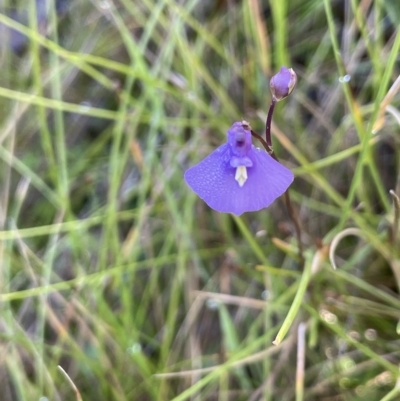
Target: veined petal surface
[{"x": 213, "y": 179}]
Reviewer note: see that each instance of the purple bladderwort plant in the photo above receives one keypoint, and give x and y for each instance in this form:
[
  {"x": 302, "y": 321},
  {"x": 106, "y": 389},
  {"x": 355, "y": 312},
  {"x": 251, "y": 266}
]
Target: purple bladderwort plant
[{"x": 238, "y": 177}]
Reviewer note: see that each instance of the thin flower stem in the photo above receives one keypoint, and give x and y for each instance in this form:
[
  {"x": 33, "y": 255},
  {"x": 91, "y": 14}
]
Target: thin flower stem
[
  {"x": 262, "y": 140},
  {"x": 292, "y": 214},
  {"x": 288, "y": 202},
  {"x": 268, "y": 123},
  {"x": 289, "y": 206}
]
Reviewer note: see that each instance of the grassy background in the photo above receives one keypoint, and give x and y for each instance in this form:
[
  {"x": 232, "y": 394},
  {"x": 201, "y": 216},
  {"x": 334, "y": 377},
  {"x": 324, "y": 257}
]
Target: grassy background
[{"x": 113, "y": 269}]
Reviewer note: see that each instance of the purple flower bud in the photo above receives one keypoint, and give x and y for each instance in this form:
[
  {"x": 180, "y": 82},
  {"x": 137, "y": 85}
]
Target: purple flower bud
[
  {"x": 238, "y": 177},
  {"x": 283, "y": 83}
]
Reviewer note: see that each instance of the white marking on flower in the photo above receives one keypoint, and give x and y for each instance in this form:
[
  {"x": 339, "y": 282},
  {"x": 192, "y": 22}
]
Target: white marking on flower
[{"x": 241, "y": 175}]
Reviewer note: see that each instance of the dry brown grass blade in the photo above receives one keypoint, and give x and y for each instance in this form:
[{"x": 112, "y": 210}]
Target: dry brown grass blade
[
  {"x": 380, "y": 121},
  {"x": 396, "y": 218},
  {"x": 301, "y": 360},
  {"x": 338, "y": 237},
  {"x": 242, "y": 362},
  {"x": 262, "y": 35},
  {"x": 395, "y": 260},
  {"x": 232, "y": 299},
  {"x": 78, "y": 394}
]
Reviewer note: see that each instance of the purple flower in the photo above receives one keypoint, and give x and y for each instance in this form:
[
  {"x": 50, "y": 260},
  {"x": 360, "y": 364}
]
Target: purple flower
[
  {"x": 283, "y": 83},
  {"x": 238, "y": 177}
]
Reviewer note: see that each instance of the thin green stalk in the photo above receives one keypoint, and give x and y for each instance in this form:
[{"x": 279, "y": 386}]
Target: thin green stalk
[
  {"x": 297, "y": 302},
  {"x": 38, "y": 86},
  {"x": 279, "y": 10},
  {"x": 364, "y": 138},
  {"x": 383, "y": 86},
  {"x": 364, "y": 134},
  {"x": 218, "y": 371},
  {"x": 110, "y": 234},
  {"x": 256, "y": 248},
  {"x": 393, "y": 394},
  {"x": 25, "y": 171},
  {"x": 56, "y": 92},
  {"x": 55, "y": 104},
  {"x": 49, "y": 258},
  {"x": 96, "y": 278},
  {"x": 365, "y": 349},
  {"x": 360, "y": 19}
]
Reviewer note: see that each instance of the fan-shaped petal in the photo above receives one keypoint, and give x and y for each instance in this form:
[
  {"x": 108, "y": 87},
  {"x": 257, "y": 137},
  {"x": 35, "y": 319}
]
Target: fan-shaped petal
[{"x": 213, "y": 179}]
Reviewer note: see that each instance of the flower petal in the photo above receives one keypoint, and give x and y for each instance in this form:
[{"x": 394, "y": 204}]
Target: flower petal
[
  {"x": 213, "y": 179},
  {"x": 267, "y": 180}
]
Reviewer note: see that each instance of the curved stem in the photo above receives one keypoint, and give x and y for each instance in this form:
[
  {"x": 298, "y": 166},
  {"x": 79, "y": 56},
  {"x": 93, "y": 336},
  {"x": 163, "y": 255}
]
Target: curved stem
[
  {"x": 262, "y": 140},
  {"x": 268, "y": 122},
  {"x": 293, "y": 217},
  {"x": 289, "y": 206}
]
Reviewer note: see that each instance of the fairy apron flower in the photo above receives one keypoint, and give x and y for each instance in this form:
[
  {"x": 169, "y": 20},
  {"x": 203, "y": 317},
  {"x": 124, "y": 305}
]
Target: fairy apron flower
[{"x": 238, "y": 177}]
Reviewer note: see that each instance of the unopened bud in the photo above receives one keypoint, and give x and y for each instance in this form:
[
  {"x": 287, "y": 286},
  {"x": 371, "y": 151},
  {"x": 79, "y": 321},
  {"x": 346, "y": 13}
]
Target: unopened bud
[{"x": 283, "y": 83}]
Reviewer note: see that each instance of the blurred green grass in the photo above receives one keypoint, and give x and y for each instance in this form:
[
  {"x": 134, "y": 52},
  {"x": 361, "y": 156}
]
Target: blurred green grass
[{"x": 114, "y": 270}]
